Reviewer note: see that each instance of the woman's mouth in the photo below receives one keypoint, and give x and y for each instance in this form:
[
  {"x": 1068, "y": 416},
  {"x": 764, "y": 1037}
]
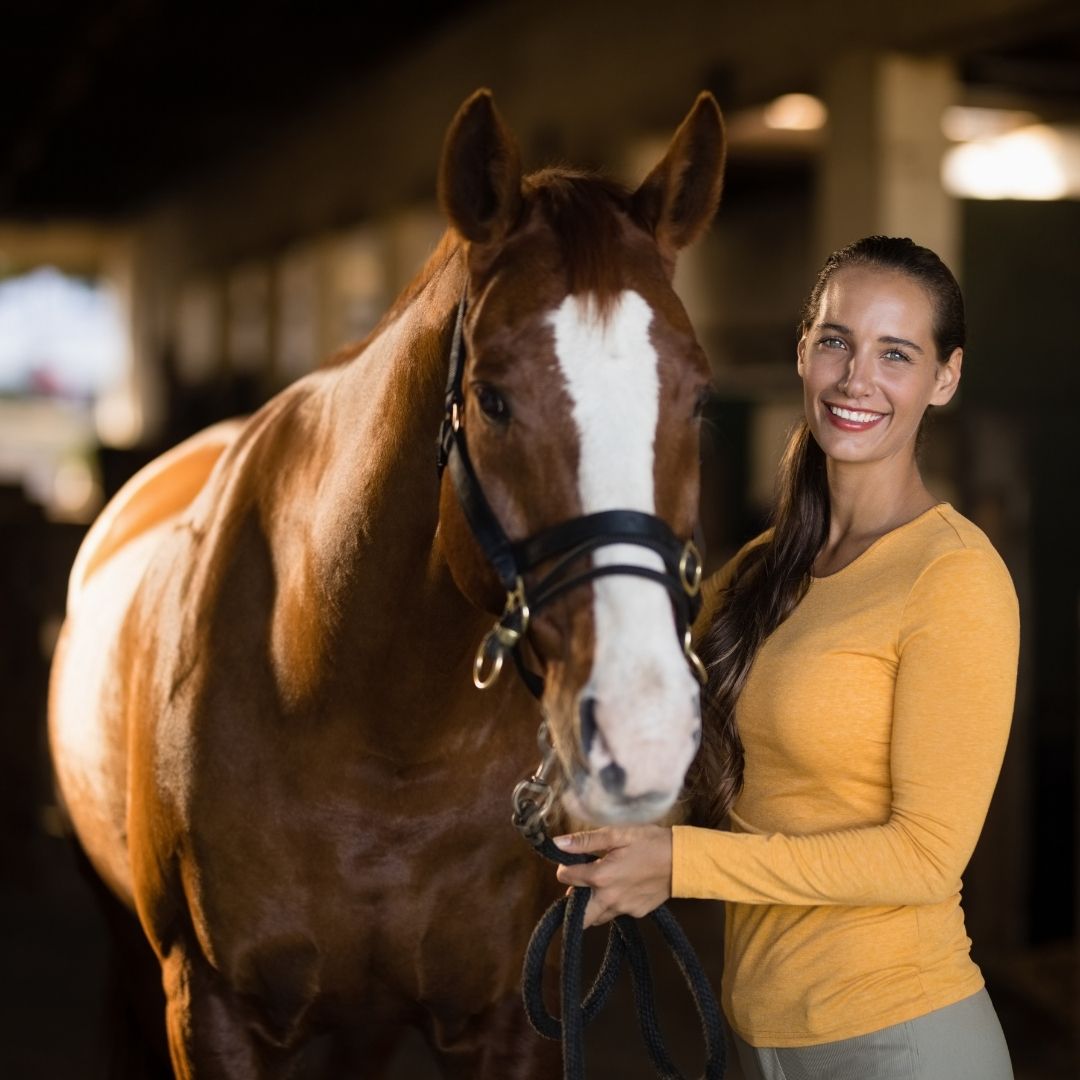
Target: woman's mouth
[{"x": 852, "y": 419}]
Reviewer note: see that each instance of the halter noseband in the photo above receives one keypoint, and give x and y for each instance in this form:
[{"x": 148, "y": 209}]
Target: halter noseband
[{"x": 566, "y": 542}]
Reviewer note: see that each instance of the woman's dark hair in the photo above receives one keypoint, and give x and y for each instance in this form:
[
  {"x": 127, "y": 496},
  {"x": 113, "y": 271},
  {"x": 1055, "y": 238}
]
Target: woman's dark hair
[{"x": 773, "y": 575}]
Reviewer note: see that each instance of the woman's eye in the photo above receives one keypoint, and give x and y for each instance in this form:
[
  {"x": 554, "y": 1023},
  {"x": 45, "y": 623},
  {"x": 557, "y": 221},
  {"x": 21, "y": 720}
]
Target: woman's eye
[
  {"x": 833, "y": 343},
  {"x": 896, "y": 354},
  {"x": 492, "y": 403}
]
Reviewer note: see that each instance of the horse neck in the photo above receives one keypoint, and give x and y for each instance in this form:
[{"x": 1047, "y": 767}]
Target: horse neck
[{"x": 364, "y": 587}]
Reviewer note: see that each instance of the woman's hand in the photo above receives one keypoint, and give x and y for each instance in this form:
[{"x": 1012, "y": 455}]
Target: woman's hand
[{"x": 633, "y": 876}]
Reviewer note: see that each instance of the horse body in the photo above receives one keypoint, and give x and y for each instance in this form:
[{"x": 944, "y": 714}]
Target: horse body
[{"x": 261, "y": 718}]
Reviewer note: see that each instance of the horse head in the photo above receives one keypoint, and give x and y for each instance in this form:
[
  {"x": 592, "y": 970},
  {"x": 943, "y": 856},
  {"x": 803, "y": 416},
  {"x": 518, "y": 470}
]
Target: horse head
[{"x": 578, "y": 380}]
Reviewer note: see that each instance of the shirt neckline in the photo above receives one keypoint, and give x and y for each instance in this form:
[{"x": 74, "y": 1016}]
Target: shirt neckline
[{"x": 937, "y": 507}]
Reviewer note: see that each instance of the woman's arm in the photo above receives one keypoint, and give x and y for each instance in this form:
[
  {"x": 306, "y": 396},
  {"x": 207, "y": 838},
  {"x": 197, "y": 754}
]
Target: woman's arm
[{"x": 958, "y": 643}]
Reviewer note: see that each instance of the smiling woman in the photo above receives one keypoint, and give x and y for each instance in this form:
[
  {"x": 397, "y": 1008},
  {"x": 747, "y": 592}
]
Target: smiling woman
[
  {"x": 871, "y": 363},
  {"x": 863, "y": 651}
]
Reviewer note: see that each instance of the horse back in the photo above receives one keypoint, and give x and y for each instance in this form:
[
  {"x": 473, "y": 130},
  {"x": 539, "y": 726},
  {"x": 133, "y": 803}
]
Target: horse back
[{"x": 156, "y": 493}]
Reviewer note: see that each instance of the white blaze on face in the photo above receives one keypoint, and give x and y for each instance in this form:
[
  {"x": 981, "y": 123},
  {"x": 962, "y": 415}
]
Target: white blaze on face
[{"x": 645, "y": 698}]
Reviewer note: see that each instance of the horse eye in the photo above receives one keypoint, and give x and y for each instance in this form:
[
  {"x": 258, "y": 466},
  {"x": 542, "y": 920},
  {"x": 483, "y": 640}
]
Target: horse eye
[
  {"x": 701, "y": 403},
  {"x": 492, "y": 403}
]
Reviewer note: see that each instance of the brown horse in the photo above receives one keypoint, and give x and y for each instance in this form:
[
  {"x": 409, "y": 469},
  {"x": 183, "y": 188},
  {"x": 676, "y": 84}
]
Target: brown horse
[{"x": 262, "y": 718}]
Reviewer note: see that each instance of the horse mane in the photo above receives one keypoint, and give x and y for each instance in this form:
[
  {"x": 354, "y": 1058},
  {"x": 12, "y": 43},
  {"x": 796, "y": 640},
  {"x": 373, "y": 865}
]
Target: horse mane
[{"x": 445, "y": 251}]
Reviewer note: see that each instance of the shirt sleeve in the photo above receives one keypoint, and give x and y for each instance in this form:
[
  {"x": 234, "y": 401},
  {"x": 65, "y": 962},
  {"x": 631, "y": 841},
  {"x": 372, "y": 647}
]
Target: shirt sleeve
[
  {"x": 714, "y": 585},
  {"x": 958, "y": 644}
]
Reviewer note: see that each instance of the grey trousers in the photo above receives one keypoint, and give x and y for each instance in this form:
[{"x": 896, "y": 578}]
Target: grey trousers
[{"x": 959, "y": 1042}]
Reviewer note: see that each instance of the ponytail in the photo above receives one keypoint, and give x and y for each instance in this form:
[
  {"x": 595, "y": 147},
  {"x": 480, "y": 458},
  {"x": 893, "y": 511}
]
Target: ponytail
[{"x": 768, "y": 583}]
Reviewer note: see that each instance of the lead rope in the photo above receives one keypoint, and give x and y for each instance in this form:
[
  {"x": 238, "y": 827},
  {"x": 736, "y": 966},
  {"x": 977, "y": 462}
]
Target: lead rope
[{"x": 532, "y": 800}]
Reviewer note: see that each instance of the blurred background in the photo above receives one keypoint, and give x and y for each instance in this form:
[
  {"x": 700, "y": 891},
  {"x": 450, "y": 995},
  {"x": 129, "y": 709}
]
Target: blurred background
[{"x": 198, "y": 203}]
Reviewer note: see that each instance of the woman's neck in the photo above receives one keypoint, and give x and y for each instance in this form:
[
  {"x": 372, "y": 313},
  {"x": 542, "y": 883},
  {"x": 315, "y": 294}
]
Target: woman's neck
[{"x": 866, "y": 502}]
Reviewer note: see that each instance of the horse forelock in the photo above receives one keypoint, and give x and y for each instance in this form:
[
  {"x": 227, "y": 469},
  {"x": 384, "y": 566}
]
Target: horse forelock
[{"x": 588, "y": 216}]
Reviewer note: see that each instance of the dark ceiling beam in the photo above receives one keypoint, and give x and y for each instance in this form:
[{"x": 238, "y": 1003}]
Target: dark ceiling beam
[{"x": 70, "y": 87}]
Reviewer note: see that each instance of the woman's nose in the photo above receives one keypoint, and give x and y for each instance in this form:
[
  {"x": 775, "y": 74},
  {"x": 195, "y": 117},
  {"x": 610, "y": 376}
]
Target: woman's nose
[{"x": 857, "y": 379}]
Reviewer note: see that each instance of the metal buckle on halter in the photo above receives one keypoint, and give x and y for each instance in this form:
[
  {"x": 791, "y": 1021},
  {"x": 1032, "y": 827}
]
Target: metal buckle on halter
[
  {"x": 502, "y": 638},
  {"x": 690, "y": 569}
]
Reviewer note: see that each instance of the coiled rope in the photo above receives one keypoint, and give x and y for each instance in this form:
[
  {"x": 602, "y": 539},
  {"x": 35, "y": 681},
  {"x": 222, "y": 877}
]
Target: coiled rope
[{"x": 624, "y": 942}]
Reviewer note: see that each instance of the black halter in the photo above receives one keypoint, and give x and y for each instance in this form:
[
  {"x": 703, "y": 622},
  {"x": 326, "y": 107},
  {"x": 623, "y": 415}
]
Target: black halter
[{"x": 567, "y": 543}]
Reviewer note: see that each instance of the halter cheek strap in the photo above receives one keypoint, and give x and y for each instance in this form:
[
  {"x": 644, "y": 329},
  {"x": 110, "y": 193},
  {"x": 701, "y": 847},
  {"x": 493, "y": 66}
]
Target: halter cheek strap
[{"x": 568, "y": 543}]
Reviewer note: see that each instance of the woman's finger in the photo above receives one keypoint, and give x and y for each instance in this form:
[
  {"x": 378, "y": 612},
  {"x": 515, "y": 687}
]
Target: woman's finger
[
  {"x": 590, "y": 840},
  {"x": 580, "y": 874},
  {"x": 596, "y": 914}
]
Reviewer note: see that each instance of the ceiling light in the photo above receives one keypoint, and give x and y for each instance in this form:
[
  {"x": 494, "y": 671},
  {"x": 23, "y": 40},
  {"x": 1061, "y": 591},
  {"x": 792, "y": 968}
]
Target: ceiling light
[
  {"x": 963, "y": 123},
  {"x": 795, "y": 112},
  {"x": 1034, "y": 162}
]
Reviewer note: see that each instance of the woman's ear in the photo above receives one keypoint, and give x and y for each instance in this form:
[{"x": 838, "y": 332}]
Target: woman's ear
[
  {"x": 800, "y": 355},
  {"x": 948, "y": 378}
]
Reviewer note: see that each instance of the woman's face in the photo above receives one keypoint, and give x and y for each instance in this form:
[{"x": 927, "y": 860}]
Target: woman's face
[{"x": 870, "y": 366}]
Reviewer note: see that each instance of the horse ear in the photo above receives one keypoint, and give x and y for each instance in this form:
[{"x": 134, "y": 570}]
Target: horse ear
[
  {"x": 480, "y": 172},
  {"x": 678, "y": 199}
]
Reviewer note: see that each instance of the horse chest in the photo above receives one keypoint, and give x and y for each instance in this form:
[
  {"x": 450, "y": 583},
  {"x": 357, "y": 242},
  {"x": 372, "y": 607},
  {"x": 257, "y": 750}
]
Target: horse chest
[{"x": 394, "y": 886}]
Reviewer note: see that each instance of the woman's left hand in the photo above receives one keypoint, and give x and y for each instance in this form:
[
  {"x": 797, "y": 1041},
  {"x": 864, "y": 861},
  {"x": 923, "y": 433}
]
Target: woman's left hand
[{"x": 632, "y": 877}]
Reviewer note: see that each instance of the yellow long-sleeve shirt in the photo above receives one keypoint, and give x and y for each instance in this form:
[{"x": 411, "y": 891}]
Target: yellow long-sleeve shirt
[{"x": 874, "y": 721}]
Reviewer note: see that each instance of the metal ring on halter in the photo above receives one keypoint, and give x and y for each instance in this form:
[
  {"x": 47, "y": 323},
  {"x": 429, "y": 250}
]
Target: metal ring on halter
[
  {"x": 455, "y": 417},
  {"x": 691, "y": 579},
  {"x": 480, "y": 681},
  {"x": 503, "y": 636},
  {"x": 695, "y": 660}
]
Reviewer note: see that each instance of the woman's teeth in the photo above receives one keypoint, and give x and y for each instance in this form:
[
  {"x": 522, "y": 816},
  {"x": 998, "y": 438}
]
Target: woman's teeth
[{"x": 855, "y": 417}]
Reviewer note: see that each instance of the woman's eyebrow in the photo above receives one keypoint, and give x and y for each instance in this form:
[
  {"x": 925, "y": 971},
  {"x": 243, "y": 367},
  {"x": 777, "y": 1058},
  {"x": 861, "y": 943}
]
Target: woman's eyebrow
[
  {"x": 900, "y": 341},
  {"x": 885, "y": 339}
]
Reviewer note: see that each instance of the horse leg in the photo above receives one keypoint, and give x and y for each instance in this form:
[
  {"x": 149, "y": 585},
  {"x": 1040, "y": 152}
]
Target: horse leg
[
  {"x": 212, "y": 1032},
  {"x": 500, "y": 1044}
]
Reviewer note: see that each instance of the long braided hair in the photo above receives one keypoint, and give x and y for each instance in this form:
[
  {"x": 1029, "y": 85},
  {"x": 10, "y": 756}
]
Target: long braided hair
[{"x": 774, "y": 575}]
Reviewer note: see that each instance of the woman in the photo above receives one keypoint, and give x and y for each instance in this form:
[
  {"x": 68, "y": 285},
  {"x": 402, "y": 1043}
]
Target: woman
[{"x": 864, "y": 651}]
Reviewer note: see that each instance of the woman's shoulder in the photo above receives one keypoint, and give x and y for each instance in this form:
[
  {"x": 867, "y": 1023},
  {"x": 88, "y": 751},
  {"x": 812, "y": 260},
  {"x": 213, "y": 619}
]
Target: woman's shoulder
[
  {"x": 943, "y": 531},
  {"x": 959, "y": 584},
  {"x": 949, "y": 555}
]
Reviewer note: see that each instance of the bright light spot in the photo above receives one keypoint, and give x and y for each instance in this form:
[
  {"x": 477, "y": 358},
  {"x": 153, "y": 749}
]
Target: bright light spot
[
  {"x": 963, "y": 123},
  {"x": 1035, "y": 162},
  {"x": 59, "y": 336},
  {"x": 75, "y": 490},
  {"x": 795, "y": 112},
  {"x": 118, "y": 417}
]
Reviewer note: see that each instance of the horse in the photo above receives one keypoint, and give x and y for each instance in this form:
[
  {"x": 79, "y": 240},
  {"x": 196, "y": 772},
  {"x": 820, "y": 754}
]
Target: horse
[{"x": 262, "y": 723}]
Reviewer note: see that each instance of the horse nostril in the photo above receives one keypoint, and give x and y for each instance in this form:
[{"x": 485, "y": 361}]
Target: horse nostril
[
  {"x": 695, "y": 736},
  {"x": 589, "y": 729},
  {"x": 613, "y": 777}
]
